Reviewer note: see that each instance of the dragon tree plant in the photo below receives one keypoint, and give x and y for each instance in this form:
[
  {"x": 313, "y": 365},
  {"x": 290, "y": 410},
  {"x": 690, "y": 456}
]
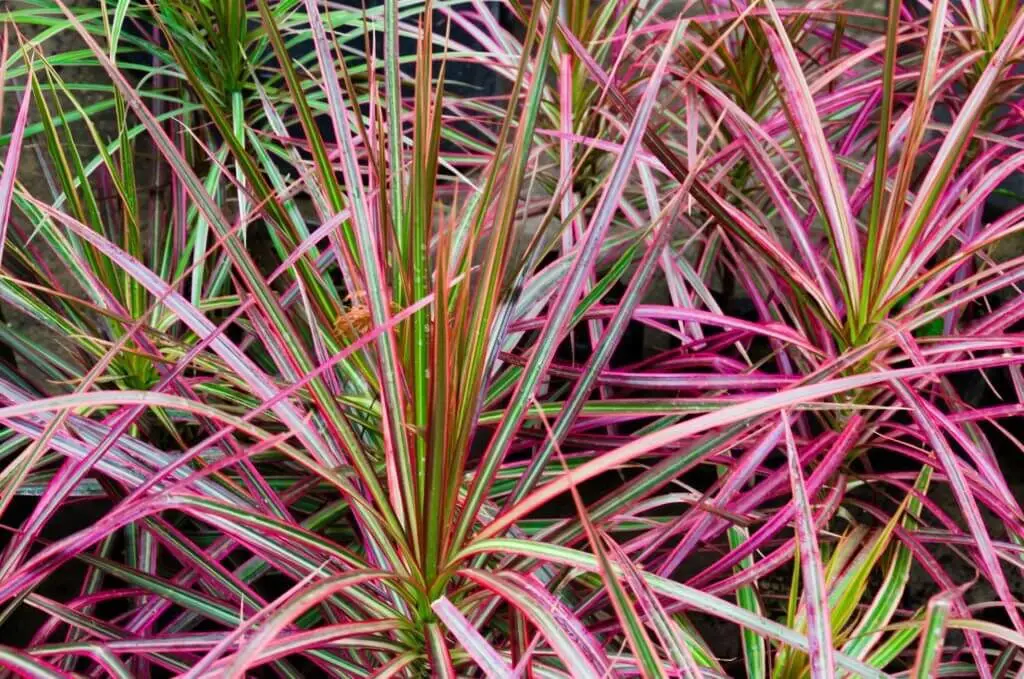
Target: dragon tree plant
[{"x": 307, "y": 329}]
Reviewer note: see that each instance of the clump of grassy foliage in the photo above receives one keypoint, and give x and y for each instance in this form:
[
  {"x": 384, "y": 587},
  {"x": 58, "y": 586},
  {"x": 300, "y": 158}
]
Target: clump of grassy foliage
[{"x": 337, "y": 355}]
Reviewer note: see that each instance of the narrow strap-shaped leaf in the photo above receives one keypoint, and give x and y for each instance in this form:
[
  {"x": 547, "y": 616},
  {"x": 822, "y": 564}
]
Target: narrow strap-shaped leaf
[
  {"x": 828, "y": 185},
  {"x": 492, "y": 664},
  {"x": 29, "y": 666},
  {"x": 441, "y": 665},
  {"x": 568, "y": 638},
  {"x": 298, "y": 603},
  {"x": 881, "y": 167},
  {"x": 815, "y": 593},
  {"x": 933, "y": 636},
  {"x": 10, "y": 171}
]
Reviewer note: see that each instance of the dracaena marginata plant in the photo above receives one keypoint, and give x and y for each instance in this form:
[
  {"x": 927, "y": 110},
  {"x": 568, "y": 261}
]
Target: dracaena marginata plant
[{"x": 307, "y": 326}]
